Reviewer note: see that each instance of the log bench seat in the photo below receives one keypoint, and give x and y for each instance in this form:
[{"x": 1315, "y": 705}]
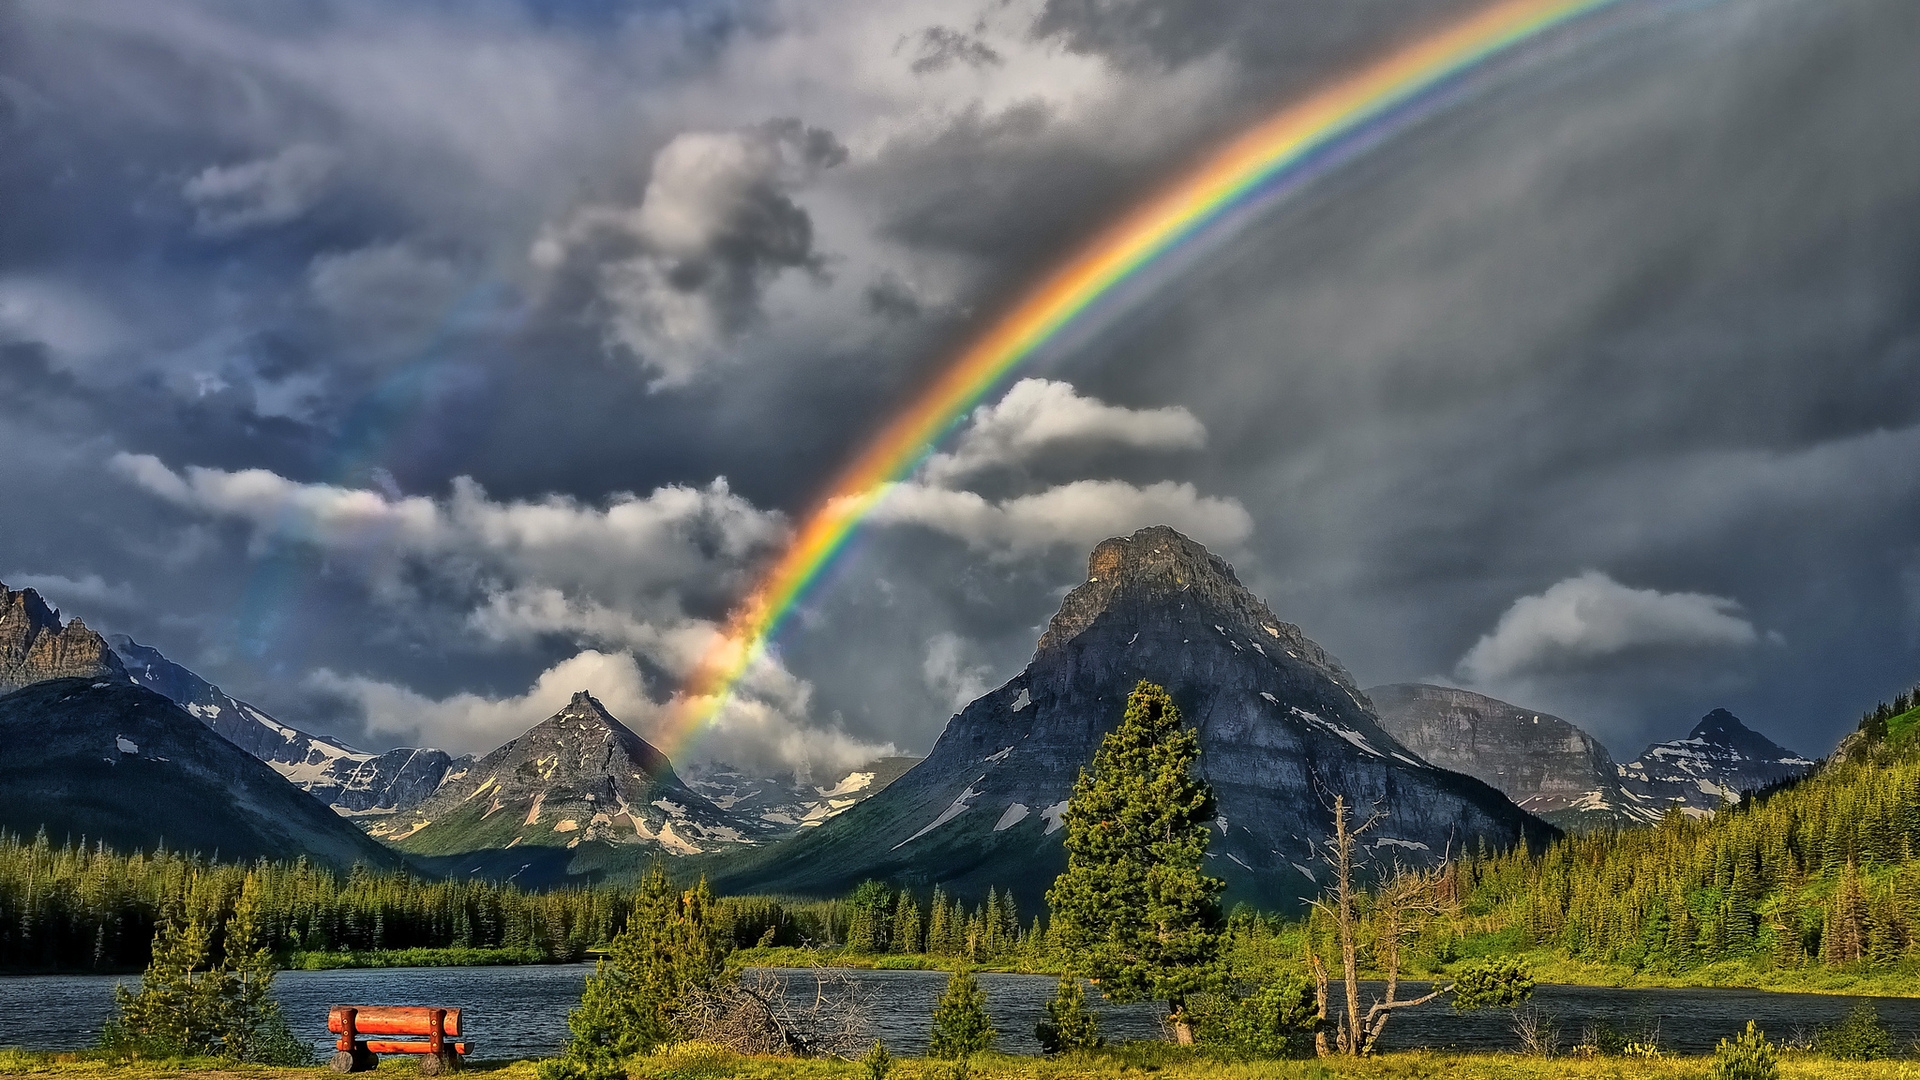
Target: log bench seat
[{"x": 437, "y": 1033}]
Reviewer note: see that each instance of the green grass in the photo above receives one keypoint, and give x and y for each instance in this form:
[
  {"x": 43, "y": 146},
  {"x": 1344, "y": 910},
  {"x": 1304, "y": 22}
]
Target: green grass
[
  {"x": 1551, "y": 966},
  {"x": 834, "y": 956},
  {"x": 386, "y": 958},
  {"x": 1158, "y": 1061}
]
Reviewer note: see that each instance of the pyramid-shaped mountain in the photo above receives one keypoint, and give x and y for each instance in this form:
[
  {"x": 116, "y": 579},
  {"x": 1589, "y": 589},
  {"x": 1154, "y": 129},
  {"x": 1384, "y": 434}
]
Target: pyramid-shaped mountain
[
  {"x": 578, "y": 779},
  {"x": 1720, "y": 760},
  {"x": 1283, "y": 730}
]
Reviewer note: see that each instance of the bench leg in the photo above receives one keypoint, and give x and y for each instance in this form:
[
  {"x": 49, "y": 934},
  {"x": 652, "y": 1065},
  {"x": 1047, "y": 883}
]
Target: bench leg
[
  {"x": 359, "y": 1059},
  {"x": 437, "y": 1064}
]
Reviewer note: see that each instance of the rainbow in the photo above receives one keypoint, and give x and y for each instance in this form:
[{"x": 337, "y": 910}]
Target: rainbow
[{"x": 1288, "y": 148}]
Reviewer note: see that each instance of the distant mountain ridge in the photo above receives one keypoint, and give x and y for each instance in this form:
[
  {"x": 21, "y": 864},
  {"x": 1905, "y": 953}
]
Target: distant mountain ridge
[
  {"x": 1721, "y": 759},
  {"x": 788, "y": 802},
  {"x": 1283, "y": 728},
  {"x": 1547, "y": 765},
  {"x": 111, "y": 761},
  {"x": 350, "y": 780},
  {"x": 35, "y": 646}
]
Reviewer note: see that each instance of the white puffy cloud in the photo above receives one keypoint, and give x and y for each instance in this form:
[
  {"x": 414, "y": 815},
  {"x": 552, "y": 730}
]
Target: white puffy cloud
[
  {"x": 762, "y": 728},
  {"x": 1038, "y": 414},
  {"x": 625, "y": 551},
  {"x": 682, "y": 272},
  {"x": 264, "y": 191},
  {"x": 1078, "y": 514},
  {"x": 1590, "y": 617},
  {"x": 472, "y": 723}
]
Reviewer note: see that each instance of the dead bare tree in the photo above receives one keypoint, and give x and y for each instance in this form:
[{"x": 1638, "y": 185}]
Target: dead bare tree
[
  {"x": 1399, "y": 902},
  {"x": 760, "y": 1013}
]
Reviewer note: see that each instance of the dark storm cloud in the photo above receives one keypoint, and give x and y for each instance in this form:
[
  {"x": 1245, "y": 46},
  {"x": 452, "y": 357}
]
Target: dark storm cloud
[
  {"x": 1639, "y": 306},
  {"x": 940, "y": 47}
]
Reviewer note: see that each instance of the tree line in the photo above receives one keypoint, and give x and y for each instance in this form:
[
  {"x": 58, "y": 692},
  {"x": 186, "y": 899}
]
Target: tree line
[{"x": 1822, "y": 872}]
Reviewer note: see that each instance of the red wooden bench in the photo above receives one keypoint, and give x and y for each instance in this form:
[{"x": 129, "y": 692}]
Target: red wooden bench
[{"x": 439, "y": 1027}]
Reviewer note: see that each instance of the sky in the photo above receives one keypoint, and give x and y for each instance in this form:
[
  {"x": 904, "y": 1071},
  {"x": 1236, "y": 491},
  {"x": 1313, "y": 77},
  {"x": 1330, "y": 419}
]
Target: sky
[{"x": 404, "y": 366}]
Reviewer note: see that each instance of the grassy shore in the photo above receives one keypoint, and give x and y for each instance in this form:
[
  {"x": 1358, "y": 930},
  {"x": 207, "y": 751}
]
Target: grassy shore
[
  {"x": 391, "y": 958},
  {"x": 1142, "y": 1061}
]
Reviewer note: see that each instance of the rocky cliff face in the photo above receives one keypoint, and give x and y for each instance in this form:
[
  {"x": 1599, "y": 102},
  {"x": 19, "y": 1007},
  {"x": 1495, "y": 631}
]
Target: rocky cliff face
[
  {"x": 349, "y": 780},
  {"x": 1283, "y": 730},
  {"x": 35, "y": 647},
  {"x": 1721, "y": 759},
  {"x": 109, "y": 761},
  {"x": 578, "y": 778},
  {"x": 1545, "y": 764}
]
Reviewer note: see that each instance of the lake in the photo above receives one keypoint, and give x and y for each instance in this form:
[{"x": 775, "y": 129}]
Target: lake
[{"x": 516, "y": 1012}]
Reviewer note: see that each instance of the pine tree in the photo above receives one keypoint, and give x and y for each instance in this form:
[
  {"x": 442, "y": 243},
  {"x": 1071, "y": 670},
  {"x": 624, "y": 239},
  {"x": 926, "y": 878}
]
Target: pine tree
[
  {"x": 1069, "y": 1025},
  {"x": 960, "y": 1024},
  {"x": 1133, "y": 908},
  {"x": 938, "y": 931},
  {"x": 672, "y": 946},
  {"x": 906, "y": 925}
]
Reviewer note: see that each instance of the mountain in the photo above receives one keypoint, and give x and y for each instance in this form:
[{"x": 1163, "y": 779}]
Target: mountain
[
  {"x": 1283, "y": 729},
  {"x": 1545, "y": 764},
  {"x": 351, "y": 781},
  {"x": 1720, "y": 759},
  {"x": 787, "y": 802},
  {"x": 107, "y": 760},
  {"x": 578, "y": 780},
  {"x": 34, "y": 646}
]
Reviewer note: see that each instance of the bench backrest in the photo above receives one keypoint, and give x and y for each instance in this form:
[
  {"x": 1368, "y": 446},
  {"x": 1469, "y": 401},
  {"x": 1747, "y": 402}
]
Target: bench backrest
[{"x": 391, "y": 1019}]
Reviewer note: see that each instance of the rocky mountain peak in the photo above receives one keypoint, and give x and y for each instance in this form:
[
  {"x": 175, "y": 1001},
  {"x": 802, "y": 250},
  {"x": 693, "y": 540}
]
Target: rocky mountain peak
[
  {"x": 1158, "y": 568},
  {"x": 1720, "y": 760},
  {"x": 35, "y": 647},
  {"x": 1722, "y": 728},
  {"x": 579, "y": 776}
]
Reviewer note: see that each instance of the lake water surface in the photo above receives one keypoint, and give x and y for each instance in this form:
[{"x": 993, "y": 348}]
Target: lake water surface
[{"x": 516, "y": 1012}]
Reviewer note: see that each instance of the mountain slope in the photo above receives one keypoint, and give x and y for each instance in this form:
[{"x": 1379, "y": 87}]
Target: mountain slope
[
  {"x": 351, "y": 781},
  {"x": 1283, "y": 729},
  {"x": 34, "y": 646},
  {"x": 1545, "y": 764},
  {"x": 111, "y": 761},
  {"x": 1720, "y": 759},
  {"x": 578, "y": 779}
]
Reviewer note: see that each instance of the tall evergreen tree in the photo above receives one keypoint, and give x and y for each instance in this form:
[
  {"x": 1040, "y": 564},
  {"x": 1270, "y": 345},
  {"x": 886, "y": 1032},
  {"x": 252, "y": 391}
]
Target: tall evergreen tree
[{"x": 1133, "y": 909}]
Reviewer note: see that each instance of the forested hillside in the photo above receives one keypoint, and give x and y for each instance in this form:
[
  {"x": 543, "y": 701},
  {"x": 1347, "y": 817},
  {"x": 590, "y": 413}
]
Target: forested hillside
[{"x": 1825, "y": 871}]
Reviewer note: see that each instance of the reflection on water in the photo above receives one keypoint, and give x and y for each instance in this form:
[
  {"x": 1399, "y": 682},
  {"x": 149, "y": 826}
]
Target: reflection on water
[{"x": 517, "y": 1012}]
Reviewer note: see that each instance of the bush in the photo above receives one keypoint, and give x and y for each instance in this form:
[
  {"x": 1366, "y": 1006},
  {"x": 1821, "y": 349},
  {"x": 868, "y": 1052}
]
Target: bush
[
  {"x": 1745, "y": 1057},
  {"x": 1275, "y": 1021},
  {"x": 878, "y": 1063},
  {"x": 1859, "y": 1036},
  {"x": 1498, "y": 983},
  {"x": 960, "y": 1024},
  {"x": 1069, "y": 1025},
  {"x": 188, "y": 1005}
]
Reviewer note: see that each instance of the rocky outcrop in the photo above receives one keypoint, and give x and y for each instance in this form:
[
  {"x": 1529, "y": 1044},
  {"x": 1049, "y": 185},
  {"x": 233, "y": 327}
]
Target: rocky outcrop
[
  {"x": 105, "y": 760},
  {"x": 1545, "y": 764},
  {"x": 1720, "y": 760},
  {"x": 35, "y": 647},
  {"x": 581, "y": 777},
  {"x": 1283, "y": 730},
  {"x": 351, "y": 781}
]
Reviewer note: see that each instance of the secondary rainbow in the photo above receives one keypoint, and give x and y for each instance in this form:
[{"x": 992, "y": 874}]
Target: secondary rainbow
[{"x": 1250, "y": 168}]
